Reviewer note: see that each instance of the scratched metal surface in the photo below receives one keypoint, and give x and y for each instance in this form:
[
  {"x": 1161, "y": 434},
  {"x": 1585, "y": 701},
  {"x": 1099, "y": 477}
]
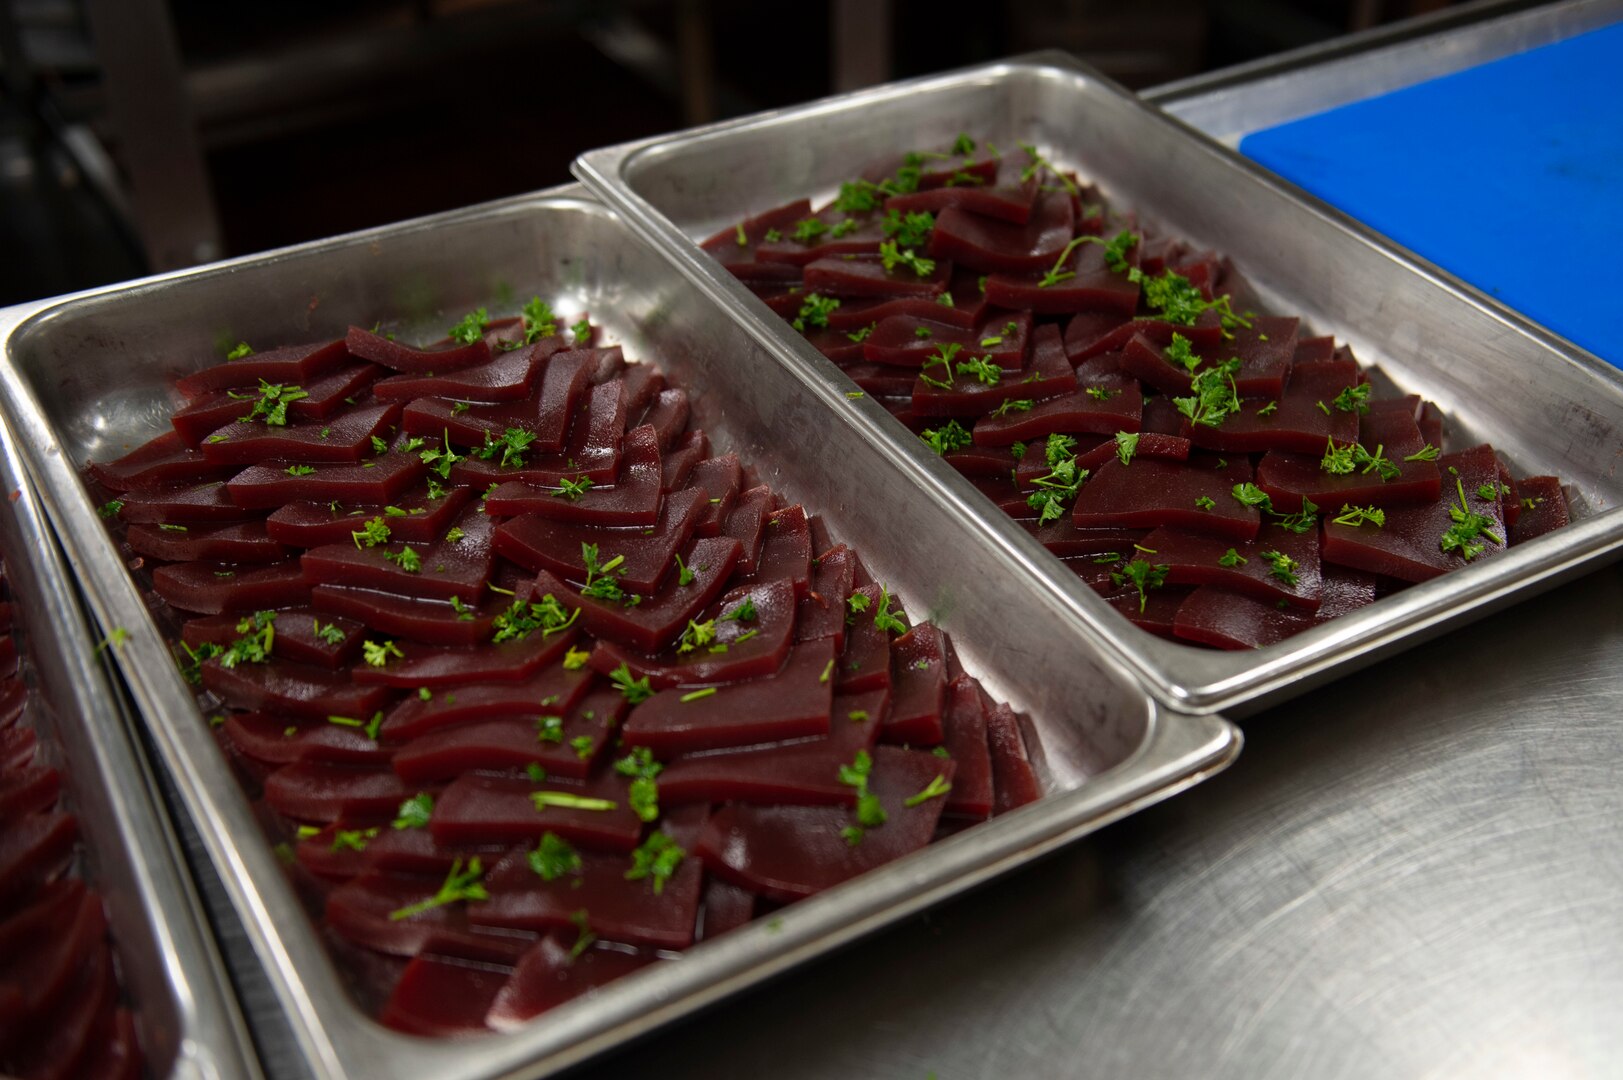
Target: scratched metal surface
[{"x": 1414, "y": 872}]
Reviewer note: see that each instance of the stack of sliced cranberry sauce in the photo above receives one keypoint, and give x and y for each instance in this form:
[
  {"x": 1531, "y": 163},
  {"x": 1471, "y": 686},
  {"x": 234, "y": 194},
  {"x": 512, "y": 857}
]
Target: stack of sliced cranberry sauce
[
  {"x": 1217, "y": 476},
  {"x": 60, "y": 1014},
  {"x": 542, "y": 689}
]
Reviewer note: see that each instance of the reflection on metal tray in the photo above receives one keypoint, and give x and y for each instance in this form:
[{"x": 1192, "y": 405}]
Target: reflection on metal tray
[
  {"x": 186, "y": 1017},
  {"x": 1298, "y": 256},
  {"x": 89, "y": 377}
]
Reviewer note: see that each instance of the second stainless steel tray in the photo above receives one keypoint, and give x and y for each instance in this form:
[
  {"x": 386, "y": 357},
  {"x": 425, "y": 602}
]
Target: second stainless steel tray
[
  {"x": 185, "y": 1014},
  {"x": 1550, "y": 407},
  {"x": 88, "y": 377}
]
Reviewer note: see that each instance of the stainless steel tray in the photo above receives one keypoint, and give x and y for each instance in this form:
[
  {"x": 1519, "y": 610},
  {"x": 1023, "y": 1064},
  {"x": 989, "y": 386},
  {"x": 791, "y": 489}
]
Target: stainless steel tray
[
  {"x": 88, "y": 376},
  {"x": 1299, "y": 256},
  {"x": 186, "y": 1016}
]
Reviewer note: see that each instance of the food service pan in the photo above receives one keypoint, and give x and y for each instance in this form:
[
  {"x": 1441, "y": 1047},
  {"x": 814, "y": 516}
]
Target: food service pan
[
  {"x": 1547, "y": 405},
  {"x": 89, "y": 377}
]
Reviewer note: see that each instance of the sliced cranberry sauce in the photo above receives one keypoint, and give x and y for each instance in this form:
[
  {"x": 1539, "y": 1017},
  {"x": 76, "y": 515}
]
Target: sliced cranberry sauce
[
  {"x": 60, "y": 1012},
  {"x": 1097, "y": 378},
  {"x": 507, "y": 654}
]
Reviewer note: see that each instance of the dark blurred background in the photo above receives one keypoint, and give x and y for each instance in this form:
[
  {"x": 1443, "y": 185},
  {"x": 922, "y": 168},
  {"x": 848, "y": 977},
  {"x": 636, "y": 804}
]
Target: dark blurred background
[{"x": 143, "y": 135}]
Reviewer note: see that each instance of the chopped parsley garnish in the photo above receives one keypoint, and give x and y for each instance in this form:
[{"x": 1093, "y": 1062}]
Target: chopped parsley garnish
[
  {"x": 522, "y": 619},
  {"x": 948, "y": 437},
  {"x": 696, "y": 635},
  {"x": 373, "y": 533},
  {"x": 110, "y": 509},
  {"x": 406, "y": 558},
  {"x": 459, "y": 885},
  {"x": 982, "y": 368},
  {"x": 1282, "y": 566},
  {"x": 893, "y": 256},
  {"x": 1353, "y": 399},
  {"x": 553, "y": 857},
  {"x": 742, "y": 236},
  {"x": 1179, "y": 352},
  {"x": 633, "y": 690},
  {"x": 1180, "y": 302},
  {"x": 1058, "y": 488},
  {"x": 1301, "y": 521},
  {"x": 870, "y": 814},
  {"x": 963, "y": 146},
  {"x": 943, "y": 358},
  {"x": 549, "y": 729},
  {"x": 566, "y": 800},
  {"x": 808, "y": 229},
  {"x": 1268, "y": 409},
  {"x": 698, "y": 695},
  {"x": 911, "y": 231},
  {"x": 600, "y": 578},
  {"x": 440, "y": 461},
  {"x": 512, "y": 445},
  {"x": 272, "y": 403},
  {"x": 1215, "y": 395},
  {"x": 843, "y": 228},
  {"x": 583, "y": 745},
  {"x": 1249, "y": 494},
  {"x": 300, "y": 470},
  {"x": 377, "y": 654},
  {"x": 585, "y": 937},
  {"x": 883, "y": 619},
  {"x": 814, "y": 311},
  {"x": 539, "y": 321},
  {"x": 254, "y": 646},
  {"x": 239, "y": 350},
  {"x": 329, "y": 633},
  {"x": 657, "y": 857},
  {"x": 572, "y": 489},
  {"x": 1013, "y": 405},
  {"x": 1338, "y": 460},
  {"x": 1357, "y": 515},
  {"x": 575, "y": 659},
  {"x": 1462, "y": 536},
  {"x": 644, "y": 771},
  {"x": 859, "y": 336},
  {"x": 934, "y": 790},
  {"x": 352, "y": 839},
  {"x": 1126, "y": 446},
  {"x": 415, "y": 812},
  {"x": 1425, "y": 453},
  {"x": 1039, "y": 163},
  {"x": 859, "y": 197},
  {"x": 471, "y": 328},
  {"x": 1231, "y": 559},
  {"x": 1143, "y": 577},
  {"x": 1205, "y": 502}
]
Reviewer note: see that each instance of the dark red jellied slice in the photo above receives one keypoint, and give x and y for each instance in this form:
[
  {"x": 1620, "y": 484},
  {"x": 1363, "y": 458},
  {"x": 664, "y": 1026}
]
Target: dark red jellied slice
[
  {"x": 436, "y": 666},
  {"x": 1078, "y": 412},
  {"x": 543, "y": 544},
  {"x": 866, "y": 277},
  {"x": 794, "y": 703},
  {"x": 964, "y": 740},
  {"x": 288, "y": 365},
  {"x": 1197, "y": 559},
  {"x": 1150, "y": 492},
  {"x": 301, "y": 635},
  {"x": 432, "y": 622},
  {"x": 1014, "y": 780},
  {"x": 633, "y": 499},
  {"x": 990, "y": 246},
  {"x": 551, "y": 973},
  {"x": 193, "y": 504},
  {"x": 439, "y": 996},
  {"x": 788, "y": 852},
  {"x": 300, "y": 690},
  {"x": 617, "y": 909},
  {"x": 164, "y": 462},
  {"x": 377, "y": 481},
  {"x": 919, "y": 687},
  {"x": 477, "y": 809},
  {"x": 210, "y": 588},
  {"x": 415, "y": 518},
  {"x": 655, "y": 623},
  {"x": 1544, "y": 508},
  {"x": 1230, "y": 620},
  {"x": 555, "y": 690},
  {"x": 1092, "y": 286}
]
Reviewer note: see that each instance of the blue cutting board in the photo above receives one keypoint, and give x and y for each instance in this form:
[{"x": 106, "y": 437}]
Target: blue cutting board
[{"x": 1509, "y": 175}]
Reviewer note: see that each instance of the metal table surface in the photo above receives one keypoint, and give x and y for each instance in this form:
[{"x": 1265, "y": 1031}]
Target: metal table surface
[{"x": 1412, "y": 872}]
